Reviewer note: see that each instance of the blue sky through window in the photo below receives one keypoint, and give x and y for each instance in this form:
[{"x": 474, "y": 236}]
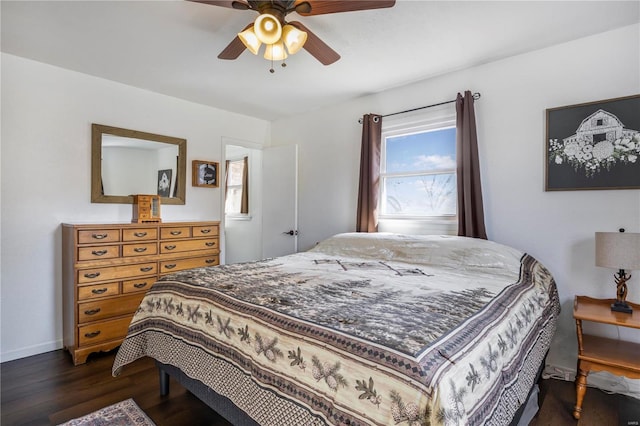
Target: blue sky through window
[
  {"x": 435, "y": 150},
  {"x": 425, "y": 193}
]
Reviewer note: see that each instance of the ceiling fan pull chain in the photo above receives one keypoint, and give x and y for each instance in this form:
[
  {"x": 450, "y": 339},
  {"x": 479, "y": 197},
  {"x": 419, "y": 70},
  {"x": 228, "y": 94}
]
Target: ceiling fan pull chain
[{"x": 271, "y": 70}]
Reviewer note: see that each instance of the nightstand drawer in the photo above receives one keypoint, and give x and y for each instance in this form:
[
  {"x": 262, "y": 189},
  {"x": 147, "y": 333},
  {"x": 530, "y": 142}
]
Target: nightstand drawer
[
  {"x": 188, "y": 245},
  {"x": 103, "y": 331},
  {"x": 139, "y": 234},
  {"x": 91, "y": 236},
  {"x": 107, "y": 308},
  {"x": 169, "y": 266},
  {"x": 98, "y": 290},
  {"x": 98, "y": 252},
  {"x": 116, "y": 272},
  {"x": 145, "y": 249}
]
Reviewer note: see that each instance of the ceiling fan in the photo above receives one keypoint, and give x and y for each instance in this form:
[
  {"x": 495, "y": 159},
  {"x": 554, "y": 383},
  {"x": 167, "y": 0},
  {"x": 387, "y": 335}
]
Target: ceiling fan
[{"x": 281, "y": 36}]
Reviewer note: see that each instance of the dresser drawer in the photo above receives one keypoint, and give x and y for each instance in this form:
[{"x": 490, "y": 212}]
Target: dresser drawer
[
  {"x": 141, "y": 234},
  {"x": 205, "y": 231},
  {"x": 98, "y": 253},
  {"x": 175, "y": 232},
  {"x": 142, "y": 284},
  {"x": 98, "y": 290},
  {"x": 143, "y": 249},
  {"x": 90, "y": 236},
  {"x": 188, "y": 245},
  {"x": 115, "y": 272},
  {"x": 169, "y": 266},
  {"x": 103, "y": 331},
  {"x": 107, "y": 308}
]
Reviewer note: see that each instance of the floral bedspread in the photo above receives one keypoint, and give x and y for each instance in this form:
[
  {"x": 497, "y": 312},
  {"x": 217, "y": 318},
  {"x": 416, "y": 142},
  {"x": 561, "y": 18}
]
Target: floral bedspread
[{"x": 364, "y": 329}]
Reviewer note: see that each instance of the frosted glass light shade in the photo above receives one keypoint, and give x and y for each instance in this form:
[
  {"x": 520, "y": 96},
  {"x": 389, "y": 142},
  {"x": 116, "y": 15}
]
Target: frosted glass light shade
[
  {"x": 293, "y": 38},
  {"x": 250, "y": 40},
  {"x": 275, "y": 52},
  {"x": 618, "y": 250},
  {"x": 267, "y": 28}
]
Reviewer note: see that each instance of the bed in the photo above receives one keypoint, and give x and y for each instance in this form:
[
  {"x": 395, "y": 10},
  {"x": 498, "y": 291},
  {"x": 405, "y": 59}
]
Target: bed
[{"x": 363, "y": 329}]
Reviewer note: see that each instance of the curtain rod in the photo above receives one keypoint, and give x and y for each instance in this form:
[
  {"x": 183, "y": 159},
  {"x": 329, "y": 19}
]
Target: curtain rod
[{"x": 476, "y": 96}]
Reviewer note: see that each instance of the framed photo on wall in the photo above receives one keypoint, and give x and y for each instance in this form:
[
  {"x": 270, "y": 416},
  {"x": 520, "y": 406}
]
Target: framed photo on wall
[
  {"x": 205, "y": 173},
  {"x": 164, "y": 182},
  {"x": 594, "y": 145}
]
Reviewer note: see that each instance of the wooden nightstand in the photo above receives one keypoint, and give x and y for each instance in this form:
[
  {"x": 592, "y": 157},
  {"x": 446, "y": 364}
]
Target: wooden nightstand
[{"x": 599, "y": 353}]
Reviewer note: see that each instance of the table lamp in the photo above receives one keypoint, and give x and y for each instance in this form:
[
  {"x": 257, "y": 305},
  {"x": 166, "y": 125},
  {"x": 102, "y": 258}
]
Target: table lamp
[{"x": 621, "y": 251}]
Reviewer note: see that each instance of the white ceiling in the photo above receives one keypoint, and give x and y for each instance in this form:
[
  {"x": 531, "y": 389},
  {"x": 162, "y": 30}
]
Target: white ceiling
[{"x": 171, "y": 47}]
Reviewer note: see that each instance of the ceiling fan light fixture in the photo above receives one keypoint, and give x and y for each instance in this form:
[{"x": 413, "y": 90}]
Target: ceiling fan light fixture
[
  {"x": 267, "y": 28},
  {"x": 275, "y": 52},
  {"x": 293, "y": 38},
  {"x": 250, "y": 40}
]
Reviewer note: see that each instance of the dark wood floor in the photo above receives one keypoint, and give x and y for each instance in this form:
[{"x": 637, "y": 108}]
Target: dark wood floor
[{"x": 47, "y": 389}]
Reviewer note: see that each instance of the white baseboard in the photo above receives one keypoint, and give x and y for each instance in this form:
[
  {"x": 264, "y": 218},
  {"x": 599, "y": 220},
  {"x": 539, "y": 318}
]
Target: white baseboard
[{"x": 30, "y": 350}]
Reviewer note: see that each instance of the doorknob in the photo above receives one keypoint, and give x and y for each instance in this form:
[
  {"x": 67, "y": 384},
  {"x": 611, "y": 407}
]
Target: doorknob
[{"x": 291, "y": 232}]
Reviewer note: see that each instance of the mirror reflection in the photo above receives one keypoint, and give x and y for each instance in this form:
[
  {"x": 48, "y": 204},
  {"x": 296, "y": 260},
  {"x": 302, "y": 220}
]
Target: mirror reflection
[{"x": 127, "y": 162}]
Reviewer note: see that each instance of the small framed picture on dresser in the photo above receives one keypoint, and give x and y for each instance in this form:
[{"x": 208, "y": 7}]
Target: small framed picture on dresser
[{"x": 205, "y": 174}]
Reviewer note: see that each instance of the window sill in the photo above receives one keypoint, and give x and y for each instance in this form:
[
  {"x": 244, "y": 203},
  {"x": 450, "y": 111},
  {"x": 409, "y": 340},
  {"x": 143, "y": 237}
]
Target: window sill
[{"x": 238, "y": 217}]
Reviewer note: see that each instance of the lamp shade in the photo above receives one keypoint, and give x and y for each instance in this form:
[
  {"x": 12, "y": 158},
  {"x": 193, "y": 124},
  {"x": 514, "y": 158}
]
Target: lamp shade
[
  {"x": 267, "y": 28},
  {"x": 293, "y": 38},
  {"x": 618, "y": 250},
  {"x": 275, "y": 52},
  {"x": 250, "y": 40}
]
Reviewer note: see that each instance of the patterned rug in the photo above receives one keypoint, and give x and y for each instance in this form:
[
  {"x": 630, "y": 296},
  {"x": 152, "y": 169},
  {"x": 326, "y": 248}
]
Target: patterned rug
[{"x": 124, "y": 413}]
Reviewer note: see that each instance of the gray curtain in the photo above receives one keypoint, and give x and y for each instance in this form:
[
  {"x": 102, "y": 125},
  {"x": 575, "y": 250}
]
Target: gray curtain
[
  {"x": 366, "y": 220},
  {"x": 470, "y": 210}
]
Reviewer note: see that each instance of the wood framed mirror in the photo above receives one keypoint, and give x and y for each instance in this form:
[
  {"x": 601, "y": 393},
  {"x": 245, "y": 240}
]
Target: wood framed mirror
[{"x": 127, "y": 162}]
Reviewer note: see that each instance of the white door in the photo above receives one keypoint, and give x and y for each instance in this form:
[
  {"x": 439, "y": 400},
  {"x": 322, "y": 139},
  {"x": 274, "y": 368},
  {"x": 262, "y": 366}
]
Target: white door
[{"x": 280, "y": 201}]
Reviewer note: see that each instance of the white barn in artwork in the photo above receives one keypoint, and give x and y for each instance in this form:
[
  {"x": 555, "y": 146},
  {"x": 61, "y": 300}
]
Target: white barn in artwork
[{"x": 600, "y": 126}]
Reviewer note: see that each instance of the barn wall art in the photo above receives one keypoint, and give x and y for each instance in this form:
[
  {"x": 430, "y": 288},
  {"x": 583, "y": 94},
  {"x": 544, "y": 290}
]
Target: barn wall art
[{"x": 594, "y": 145}]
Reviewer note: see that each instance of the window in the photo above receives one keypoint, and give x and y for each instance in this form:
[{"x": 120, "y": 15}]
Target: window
[
  {"x": 418, "y": 171},
  {"x": 234, "y": 190}
]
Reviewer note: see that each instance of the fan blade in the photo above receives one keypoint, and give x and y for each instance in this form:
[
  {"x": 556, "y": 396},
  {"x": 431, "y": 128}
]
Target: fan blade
[
  {"x": 323, "y": 7},
  {"x": 316, "y": 47},
  {"x": 235, "y": 4},
  {"x": 235, "y": 48}
]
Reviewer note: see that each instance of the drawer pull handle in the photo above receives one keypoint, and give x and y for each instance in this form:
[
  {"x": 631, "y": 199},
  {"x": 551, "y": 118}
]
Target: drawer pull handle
[
  {"x": 140, "y": 285},
  {"x": 99, "y": 236},
  {"x": 176, "y": 232},
  {"x": 99, "y": 252},
  {"x": 92, "y": 275},
  {"x": 92, "y": 334},
  {"x": 140, "y": 249},
  {"x": 99, "y": 290},
  {"x": 210, "y": 260},
  {"x": 140, "y": 234},
  {"x": 170, "y": 247},
  {"x": 205, "y": 231},
  {"x": 146, "y": 269},
  {"x": 92, "y": 311},
  {"x": 210, "y": 244},
  {"x": 170, "y": 266}
]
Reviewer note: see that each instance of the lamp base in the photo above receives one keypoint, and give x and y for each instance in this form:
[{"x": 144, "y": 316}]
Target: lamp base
[{"x": 618, "y": 306}]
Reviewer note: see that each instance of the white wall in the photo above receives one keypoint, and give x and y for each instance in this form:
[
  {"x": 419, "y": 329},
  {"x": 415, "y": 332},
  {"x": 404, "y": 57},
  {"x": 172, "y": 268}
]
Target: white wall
[
  {"x": 555, "y": 227},
  {"x": 46, "y": 164}
]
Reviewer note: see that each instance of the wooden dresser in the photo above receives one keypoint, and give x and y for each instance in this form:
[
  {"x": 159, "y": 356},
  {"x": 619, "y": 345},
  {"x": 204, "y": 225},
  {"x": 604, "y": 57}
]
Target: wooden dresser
[{"x": 107, "y": 268}]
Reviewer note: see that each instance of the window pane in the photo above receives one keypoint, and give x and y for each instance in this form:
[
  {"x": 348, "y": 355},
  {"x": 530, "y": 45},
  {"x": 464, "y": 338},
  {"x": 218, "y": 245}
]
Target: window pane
[
  {"x": 428, "y": 195},
  {"x": 434, "y": 150},
  {"x": 235, "y": 173},
  {"x": 232, "y": 203}
]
